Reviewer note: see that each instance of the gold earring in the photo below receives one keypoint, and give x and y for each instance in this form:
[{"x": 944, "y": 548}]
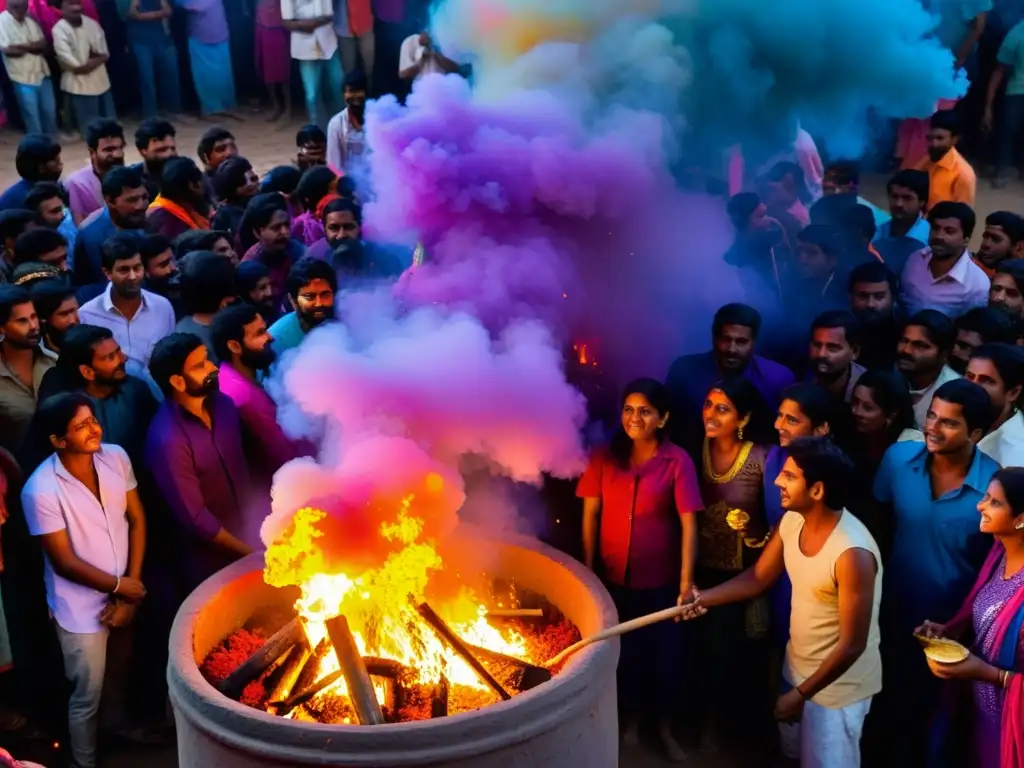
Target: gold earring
[
  {"x": 1019, "y": 526},
  {"x": 739, "y": 433}
]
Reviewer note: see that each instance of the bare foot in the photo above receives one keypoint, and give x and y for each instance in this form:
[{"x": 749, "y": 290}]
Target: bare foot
[
  {"x": 673, "y": 748},
  {"x": 631, "y": 732}
]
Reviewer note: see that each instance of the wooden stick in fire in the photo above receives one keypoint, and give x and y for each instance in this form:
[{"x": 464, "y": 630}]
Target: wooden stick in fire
[
  {"x": 278, "y": 645},
  {"x": 360, "y": 687},
  {"x": 456, "y": 644},
  {"x": 293, "y": 665},
  {"x": 515, "y": 613}
]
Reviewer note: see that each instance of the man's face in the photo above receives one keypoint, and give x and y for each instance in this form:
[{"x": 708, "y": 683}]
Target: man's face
[
  {"x": 342, "y": 225},
  {"x": 222, "y": 247},
  {"x": 792, "y": 485},
  {"x": 830, "y": 353},
  {"x": 832, "y": 185},
  {"x": 84, "y": 433},
  {"x": 221, "y": 151},
  {"x": 871, "y": 301},
  {"x": 18, "y": 9},
  {"x": 21, "y": 330},
  {"x": 277, "y": 233},
  {"x": 355, "y": 99},
  {"x": 158, "y": 151},
  {"x": 51, "y": 212},
  {"x": 161, "y": 267},
  {"x": 256, "y": 350},
  {"x": 129, "y": 210},
  {"x": 812, "y": 262},
  {"x": 262, "y": 295},
  {"x": 904, "y": 204},
  {"x": 315, "y": 302},
  {"x": 312, "y": 153},
  {"x": 127, "y": 276},
  {"x": 109, "y": 153},
  {"x": 782, "y": 193},
  {"x": 995, "y": 246},
  {"x": 734, "y": 345},
  {"x": 917, "y": 354},
  {"x": 108, "y": 364},
  {"x": 199, "y": 375},
  {"x": 57, "y": 258},
  {"x": 1005, "y": 295},
  {"x": 65, "y": 316},
  {"x": 983, "y": 373},
  {"x": 965, "y": 343},
  {"x": 52, "y": 169},
  {"x": 947, "y": 239},
  {"x": 940, "y": 141},
  {"x": 945, "y": 429},
  {"x": 72, "y": 10}
]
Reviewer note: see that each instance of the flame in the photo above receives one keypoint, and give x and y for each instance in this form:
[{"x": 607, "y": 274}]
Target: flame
[{"x": 380, "y": 603}]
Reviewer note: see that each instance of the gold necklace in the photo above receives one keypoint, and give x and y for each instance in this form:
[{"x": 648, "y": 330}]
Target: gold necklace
[{"x": 730, "y": 474}]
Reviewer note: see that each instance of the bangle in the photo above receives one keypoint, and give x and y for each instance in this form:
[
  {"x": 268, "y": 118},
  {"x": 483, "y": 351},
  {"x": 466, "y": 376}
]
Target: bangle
[
  {"x": 117, "y": 586},
  {"x": 752, "y": 543}
]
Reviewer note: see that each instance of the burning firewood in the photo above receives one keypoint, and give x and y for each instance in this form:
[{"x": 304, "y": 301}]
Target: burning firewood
[
  {"x": 439, "y": 698},
  {"x": 532, "y": 674},
  {"x": 279, "y": 644},
  {"x": 515, "y": 613},
  {"x": 293, "y": 666},
  {"x": 456, "y": 644},
  {"x": 360, "y": 688}
]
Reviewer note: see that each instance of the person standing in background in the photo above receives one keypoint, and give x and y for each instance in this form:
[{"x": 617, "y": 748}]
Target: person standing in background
[
  {"x": 950, "y": 177},
  {"x": 346, "y": 133},
  {"x": 105, "y": 140},
  {"x": 24, "y": 47},
  {"x": 210, "y": 55},
  {"x": 353, "y": 23},
  {"x": 149, "y": 37},
  {"x": 315, "y": 46},
  {"x": 419, "y": 57},
  {"x": 23, "y": 363},
  {"x": 81, "y": 49},
  {"x": 273, "y": 60}
]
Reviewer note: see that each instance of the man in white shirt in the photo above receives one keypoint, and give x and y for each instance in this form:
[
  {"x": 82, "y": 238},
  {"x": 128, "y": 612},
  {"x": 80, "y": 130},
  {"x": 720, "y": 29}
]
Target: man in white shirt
[
  {"x": 137, "y": 318},
  {"x": 943, "y": 276},
  {"x": 314, "y": 45},
  {"x": 418, "y": 56},
  {"x": 921, "y": 355},
  {"x": 999, "y": 370},
  {"x": 83, "y": 505},
  {"x": 24, "y": 48},
  {"x": 346, "y": 133},
  {"x": 81, "y": 50}
]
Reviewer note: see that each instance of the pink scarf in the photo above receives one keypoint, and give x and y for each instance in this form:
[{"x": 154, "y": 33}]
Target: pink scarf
[{"x": 1012, "y": 730}]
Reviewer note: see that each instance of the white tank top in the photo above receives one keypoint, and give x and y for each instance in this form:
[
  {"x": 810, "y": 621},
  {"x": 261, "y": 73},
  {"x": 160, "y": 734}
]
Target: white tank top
[{"x": 814, "y": 619}]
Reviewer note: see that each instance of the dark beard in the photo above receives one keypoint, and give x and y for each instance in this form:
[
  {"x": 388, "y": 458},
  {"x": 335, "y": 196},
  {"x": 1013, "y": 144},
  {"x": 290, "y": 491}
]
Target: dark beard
[
  {"x": 258, "y": 360},
  {"x": 208, "y": 386}
]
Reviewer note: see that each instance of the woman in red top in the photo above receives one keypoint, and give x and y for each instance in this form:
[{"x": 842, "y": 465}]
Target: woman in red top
[{"x": 639, "y": 532}]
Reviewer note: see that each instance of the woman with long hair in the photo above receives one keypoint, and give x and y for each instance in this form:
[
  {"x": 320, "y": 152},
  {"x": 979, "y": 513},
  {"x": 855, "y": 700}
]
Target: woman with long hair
[
  {"x": 883, "y": 413},
  {"x": 639, "y": 533},
  {"x": 991, "y": 623},
  {"x": 235, "y": 183}
]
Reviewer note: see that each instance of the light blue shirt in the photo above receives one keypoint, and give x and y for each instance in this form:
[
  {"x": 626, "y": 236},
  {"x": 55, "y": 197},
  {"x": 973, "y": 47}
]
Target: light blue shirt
[
  {"x": 938, "y": 548},
  {"x": 70, "y": 231},
  {"x": 921, "y": 231},
  {"x": 287, "y": 333}
]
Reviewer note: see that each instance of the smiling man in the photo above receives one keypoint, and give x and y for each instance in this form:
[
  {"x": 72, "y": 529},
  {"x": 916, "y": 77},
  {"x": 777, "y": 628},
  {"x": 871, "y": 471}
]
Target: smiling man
[{"x": 311, "y": 288}]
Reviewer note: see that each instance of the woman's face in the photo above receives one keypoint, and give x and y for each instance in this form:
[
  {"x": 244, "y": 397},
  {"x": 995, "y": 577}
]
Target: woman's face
[
  {"x": 640, "y": 419},
  {"x": 868, "y": 416},
  {"x": 791, "y": 423},
  {"x": 250, "y": 186},
  {"x": 997, "y": 516},
  {"x": 720, "y": 416}
]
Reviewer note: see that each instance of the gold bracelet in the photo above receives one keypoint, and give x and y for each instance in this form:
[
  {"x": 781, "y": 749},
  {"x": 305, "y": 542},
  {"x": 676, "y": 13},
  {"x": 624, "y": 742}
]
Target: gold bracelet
[{"x": 752, "y": 543}]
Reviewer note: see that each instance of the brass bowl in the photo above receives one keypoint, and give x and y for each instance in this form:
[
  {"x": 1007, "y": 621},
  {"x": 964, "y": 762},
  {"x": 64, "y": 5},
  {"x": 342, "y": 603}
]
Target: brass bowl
[{"x": 943, "y": 650}]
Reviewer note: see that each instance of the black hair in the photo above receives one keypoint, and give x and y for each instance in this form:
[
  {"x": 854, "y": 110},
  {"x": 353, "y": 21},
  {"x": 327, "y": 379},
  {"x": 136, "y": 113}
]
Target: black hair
[
  {"x": 874, "y": 271},
  {"x": 973, "y": 400},
  {"x": 169, "y": 356},
  {"x": 151, "y": 246},
  {"x": 741, "y": 206},
  {"x": 229, "y": 176},
  {"x": 102, "y": 128},
  {"x": 1015, "y": 269},
  {"x": 736, "y": 314},
  {"x": 32, "y": 244},
  {"x": 859, "y": 220},
  {"x": 209, "y": 139},
  {"x": 306, "y": 270},
  {"x": 938, "y": 327},
  {"x": 41, "y": 192},
  {"x": 12, "y": 296},
  {"x": 825, "y": 236},
  {"x": 946, "y": 120},
  {"x": 120, "y": 246},
  {"x": 815, "y": 402},
  {"x": 1009, "y": 222},
  {"x": 197, "y": 240},
  {"x": 843, "y": 173},
  {"x": 890, "y": 392},
  {"x": 55, "y": 413},
  {"x": 229, "y": 325},
  {"x": 1011, "y": 479},
  {"x": 152, "y": 129},
  {"x": 247, "y": 274},
  {"x": 314, "y": 186},
  {"x": 621, "y": 446},
  {"x": 988, "y": 322},
  {"x": 340, "y": 206},
  {"x": 787, "y": 168},
  {"x": 310, "y": 134},
  {"x": 77, "y": 349},
  {"x": 839, "y": 318},
  {"x": 748, "y": 402},
  {"x": 948, "y": 209},
  {"x": 35, "y": 150},
  {"x": 14, "y": 221},
  {"x": 916, "y": 181},
  {"x": 822, "y": 462},
  {"x": 48, "y": 295},
  {"x": 355, "y": 80},
  {"x": 1007, "y": 358},
  {"x": 120, "y": 178},
  {"x": 259, "y": 212},
  {"x": 282, "y": 178},
  {"x": 206, "y": 280},
  {"x": 177, "y": 175}
]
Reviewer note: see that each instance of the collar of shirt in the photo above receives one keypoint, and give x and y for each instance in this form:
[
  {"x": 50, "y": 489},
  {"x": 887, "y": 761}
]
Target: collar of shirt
[
  {"x": 1006, "y": 444},
  {"x": 918, "y": 462},
  {"x": 957, "y": 272},
  {"x": 949, "y": 161},
  {"x": 39, "y": 355},
  {"x": 108, "y": 303}
]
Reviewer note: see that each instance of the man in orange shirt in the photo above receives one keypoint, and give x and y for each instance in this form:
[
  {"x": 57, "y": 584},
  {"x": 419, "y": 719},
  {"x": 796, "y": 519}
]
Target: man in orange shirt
[{"x": 950, "y": 176}]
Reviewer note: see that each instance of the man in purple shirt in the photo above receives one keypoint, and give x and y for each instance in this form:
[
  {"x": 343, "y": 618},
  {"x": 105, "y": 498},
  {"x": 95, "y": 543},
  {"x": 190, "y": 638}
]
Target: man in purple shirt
[
  {"x": 733, "y": 334},
  {"x": 105, "y": 139},
  {"x": 194, "y": 452},
  {"x": 210, "y": 57}
]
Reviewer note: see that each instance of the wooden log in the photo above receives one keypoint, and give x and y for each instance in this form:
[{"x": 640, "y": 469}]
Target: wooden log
[
  {"x": 305, "y": 694},
  {"x": 439, "y": 698},
  {"x": 459, "y": 646},
  {"x": 515, "y": 613},
  {"x": 293, "y": 665},
  {"x": 360, "y": 688},
  {"x": 278, "y": 645},
  {"x": 532, "y": 674},
  {"x": 308, "y": 675}
]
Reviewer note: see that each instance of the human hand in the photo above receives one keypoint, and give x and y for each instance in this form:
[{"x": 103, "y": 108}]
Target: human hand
[
  {"x": 117, "y": 613},
  {"x": 987, "y": 121},
  {"x": 690, "y": 602},
  {"x": 130, "y": 589},
  {"x": 971, "y": 668},
  {"x": 931, "y": 629},
  {"x": 789, "y": 707}
]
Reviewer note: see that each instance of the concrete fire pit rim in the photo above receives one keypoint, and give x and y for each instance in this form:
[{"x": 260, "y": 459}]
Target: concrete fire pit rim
[{"x": 473, "y": 732}]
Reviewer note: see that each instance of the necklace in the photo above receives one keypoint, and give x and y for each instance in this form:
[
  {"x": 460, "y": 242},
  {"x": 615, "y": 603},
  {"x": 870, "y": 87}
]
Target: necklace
[{"x": 730, "y": 474}]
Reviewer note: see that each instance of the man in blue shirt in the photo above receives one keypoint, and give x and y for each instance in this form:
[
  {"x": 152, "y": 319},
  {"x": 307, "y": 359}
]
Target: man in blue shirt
[
  {"x": 38, "y": 159},
  {"x": 936, "y": 549},
  {"x": 125, "y": 194},
  {"x": 149, "y": 37},
  {"x": 907, "y": 230},
  {"x": 311, "y": 286}
]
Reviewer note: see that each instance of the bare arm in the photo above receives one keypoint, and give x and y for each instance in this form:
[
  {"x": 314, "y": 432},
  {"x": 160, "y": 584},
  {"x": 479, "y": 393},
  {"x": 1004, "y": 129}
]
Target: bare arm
[
  {"x": 753, "y": 581},
  {"x": 136, "y": 534},
  {"x": 995, "y": 82},
  {"x": 689, "y": 553},
  {"x": 225, "y": 539},
  {"x": 591, "y": 525},
  {"x": 67, "y": 564},
  {"x": 306, "y": 25},
  {"x": 974, "y": 33}
]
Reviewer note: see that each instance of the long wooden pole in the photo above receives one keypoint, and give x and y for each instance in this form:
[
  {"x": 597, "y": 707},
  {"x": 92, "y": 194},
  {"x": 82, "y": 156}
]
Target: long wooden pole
[
  {"x": 618, "y": 629},
  {"x": 360, "y": 687}
]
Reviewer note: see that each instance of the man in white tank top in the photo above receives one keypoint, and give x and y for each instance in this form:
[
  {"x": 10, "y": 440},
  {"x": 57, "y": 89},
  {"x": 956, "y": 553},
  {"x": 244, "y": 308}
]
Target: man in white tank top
[{"x": 832, "y": 659}]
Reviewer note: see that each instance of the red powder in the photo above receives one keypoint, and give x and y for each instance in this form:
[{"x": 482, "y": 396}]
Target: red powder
[{"x": 230, "y": 654}]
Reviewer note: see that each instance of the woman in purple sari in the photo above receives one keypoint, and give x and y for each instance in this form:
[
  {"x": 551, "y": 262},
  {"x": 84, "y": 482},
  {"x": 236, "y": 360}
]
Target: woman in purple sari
[{"x": 992, "y": 618}]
